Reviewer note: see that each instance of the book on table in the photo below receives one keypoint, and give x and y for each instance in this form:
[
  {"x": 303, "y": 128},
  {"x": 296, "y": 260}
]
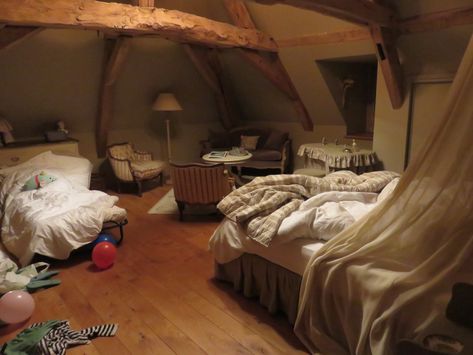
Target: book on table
[{"x": 218, "y": 154}]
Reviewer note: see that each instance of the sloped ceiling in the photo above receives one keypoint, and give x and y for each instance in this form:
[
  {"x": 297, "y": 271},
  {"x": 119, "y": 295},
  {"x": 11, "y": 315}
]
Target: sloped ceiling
[{"x": 156, "y": 64}]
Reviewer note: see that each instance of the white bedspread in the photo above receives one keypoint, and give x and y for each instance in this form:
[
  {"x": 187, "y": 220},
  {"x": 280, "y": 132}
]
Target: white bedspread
[
  {"x": 325, "y": 215},
  {"x": 303, "y": 232},
  {"x": 53, "y": 220}
]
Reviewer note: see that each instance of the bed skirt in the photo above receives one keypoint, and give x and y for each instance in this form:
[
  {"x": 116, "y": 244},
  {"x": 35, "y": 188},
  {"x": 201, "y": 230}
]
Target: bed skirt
[{"x": 276, "y": 287}]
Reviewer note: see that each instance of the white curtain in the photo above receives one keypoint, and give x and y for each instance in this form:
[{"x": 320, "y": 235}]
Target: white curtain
[{"x": 390, "y": 275}]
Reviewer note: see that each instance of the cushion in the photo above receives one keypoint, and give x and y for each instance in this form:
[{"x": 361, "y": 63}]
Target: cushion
[
  {"x": 249, "y": 142},
  {"x": 238, "y": 132},
  {"x": 219, "y": 139},
  {"x": 266, "y": 155},
  {"x": 147, "y": 169},
  {"x": 38, "y": 181},
  {"x": 276, "y": 140}
]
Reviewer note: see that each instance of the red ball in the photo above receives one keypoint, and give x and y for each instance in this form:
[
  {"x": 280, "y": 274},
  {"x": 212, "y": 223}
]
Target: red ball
[{"x": 104, "y": 254}]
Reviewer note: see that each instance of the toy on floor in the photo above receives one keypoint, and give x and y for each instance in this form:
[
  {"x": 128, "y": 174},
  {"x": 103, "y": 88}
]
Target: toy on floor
[
  {"x": 103, "y": 255},
  {"x": 16, "y": 307}
]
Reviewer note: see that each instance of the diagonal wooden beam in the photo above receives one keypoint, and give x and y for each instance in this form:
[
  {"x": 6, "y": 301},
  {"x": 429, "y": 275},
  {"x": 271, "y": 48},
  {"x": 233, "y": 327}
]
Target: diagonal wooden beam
[
  {"x": 356, "y": 11},
  {"x": 422, "y": 23},
  {"x": 388, "y": 59},
  {"x": 11, "y": 36},
  {"x": 269, "y": 65},
  {"x": 116, "y": 51},
  {"x": 209, "y": 67},
  {"x": 131, "y": 20}
]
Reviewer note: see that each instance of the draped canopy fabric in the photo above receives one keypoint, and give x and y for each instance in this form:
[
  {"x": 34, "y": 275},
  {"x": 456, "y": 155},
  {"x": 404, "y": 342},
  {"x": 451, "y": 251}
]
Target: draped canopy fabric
[{"x": 390, "y": 275}]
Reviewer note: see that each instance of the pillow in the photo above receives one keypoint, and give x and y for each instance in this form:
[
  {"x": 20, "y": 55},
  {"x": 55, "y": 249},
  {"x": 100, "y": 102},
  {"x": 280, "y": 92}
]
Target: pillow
[
  {"x": 249, "y": 142},
  {"x": 38, "y": 181},
  {"x": 275, "y": 140}
]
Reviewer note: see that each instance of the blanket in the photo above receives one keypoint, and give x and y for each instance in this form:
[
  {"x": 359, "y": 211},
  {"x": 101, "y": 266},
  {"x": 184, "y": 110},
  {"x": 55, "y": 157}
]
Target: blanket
[
  {"x": 262, "y": 205},
  {"x": 53, "y": 220}
]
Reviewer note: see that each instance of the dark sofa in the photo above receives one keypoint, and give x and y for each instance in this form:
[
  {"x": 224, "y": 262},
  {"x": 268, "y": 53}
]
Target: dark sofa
[{"x": 272, "y": 151}]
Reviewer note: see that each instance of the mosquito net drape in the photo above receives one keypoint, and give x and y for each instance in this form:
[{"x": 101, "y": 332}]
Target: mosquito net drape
[{"x": 388, "y": 276}]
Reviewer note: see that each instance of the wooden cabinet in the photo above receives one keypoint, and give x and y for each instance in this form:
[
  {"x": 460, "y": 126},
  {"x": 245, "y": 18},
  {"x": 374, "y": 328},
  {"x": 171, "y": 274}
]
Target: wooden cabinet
[{"x": 19, "y": 152}]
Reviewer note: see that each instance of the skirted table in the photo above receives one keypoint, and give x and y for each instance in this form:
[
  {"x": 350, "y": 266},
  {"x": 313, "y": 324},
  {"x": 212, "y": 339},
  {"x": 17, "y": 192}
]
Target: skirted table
[{"x": 333, "y": 157}]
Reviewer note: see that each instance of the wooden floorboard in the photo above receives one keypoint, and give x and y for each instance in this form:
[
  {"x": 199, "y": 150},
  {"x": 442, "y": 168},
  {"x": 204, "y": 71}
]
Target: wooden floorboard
[{"x": 162, "y": 294}]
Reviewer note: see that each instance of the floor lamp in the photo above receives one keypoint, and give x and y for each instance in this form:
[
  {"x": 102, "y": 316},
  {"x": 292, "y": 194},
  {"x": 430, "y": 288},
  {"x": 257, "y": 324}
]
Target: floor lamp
[{"x": 167, "y": 102}]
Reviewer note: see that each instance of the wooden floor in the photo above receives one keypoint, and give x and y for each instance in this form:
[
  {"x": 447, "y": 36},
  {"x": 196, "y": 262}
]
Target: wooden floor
[{"x": 161, "y": 293}]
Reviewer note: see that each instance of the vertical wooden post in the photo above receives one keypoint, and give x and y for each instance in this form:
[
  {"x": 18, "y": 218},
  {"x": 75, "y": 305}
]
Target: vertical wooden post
[{"x": 115, "y": 52}]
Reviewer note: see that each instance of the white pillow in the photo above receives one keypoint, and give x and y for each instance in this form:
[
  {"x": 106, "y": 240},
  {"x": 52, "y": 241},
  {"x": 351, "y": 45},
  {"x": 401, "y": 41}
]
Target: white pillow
[{"x": 78, "y": 170}]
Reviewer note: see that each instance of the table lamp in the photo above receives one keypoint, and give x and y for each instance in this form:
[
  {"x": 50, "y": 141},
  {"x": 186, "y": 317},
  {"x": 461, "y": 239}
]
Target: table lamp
[{"x": 167, "y": 102}]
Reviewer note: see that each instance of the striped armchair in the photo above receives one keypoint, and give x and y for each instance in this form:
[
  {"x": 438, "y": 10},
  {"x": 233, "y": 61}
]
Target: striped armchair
[
  {"x": 199, "y": 184},
  {"x": 130, "y": 165}
]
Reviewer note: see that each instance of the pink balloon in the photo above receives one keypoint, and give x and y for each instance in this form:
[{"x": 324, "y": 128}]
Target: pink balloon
[{"x": 16, "y": 306}]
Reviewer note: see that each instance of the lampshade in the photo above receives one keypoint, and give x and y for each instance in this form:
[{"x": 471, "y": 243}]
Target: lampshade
[{"x": 166, "y": 102}]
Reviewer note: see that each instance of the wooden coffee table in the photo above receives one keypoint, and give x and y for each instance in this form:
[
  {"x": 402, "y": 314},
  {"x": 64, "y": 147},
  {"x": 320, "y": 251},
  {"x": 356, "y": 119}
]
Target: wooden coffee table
[{"x": 230, "y": 160}]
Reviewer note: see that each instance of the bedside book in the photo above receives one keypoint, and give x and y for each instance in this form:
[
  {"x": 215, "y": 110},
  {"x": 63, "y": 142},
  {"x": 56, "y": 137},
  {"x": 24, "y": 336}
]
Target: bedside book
[{"x": 218, "y": 154}]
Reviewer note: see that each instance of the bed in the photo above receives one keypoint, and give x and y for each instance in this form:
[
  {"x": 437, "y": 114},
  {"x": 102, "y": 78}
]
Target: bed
[
  {"x": 273, "y": 273},
  {"x": 57, "y": 218}
]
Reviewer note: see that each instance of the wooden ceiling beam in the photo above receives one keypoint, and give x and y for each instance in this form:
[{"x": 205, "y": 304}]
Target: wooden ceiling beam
[
  {"x": 116, "y": 51},
  {"x": 11, "y": 36},
  {"x": 131, "y": 20},
  {"x": 422, "y": 23},
  {"x": 388, "y": 59},
  {"x": 210, "y": 68},
  {"x": 269, "y": 65},
  {"x": 367, "y": 12}
]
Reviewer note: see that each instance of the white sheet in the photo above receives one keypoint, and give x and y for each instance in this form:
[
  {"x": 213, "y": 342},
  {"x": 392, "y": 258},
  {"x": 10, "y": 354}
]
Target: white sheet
[
  {"x": 53, "y": 220},
  {"x": 229, "y": 242}
]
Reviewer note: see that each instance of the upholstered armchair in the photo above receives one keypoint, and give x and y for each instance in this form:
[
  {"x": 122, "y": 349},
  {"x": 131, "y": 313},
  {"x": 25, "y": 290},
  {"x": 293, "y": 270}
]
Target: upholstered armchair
[
  {"x": 199, "y": 184},
  {"x": 130, "y": 165}
]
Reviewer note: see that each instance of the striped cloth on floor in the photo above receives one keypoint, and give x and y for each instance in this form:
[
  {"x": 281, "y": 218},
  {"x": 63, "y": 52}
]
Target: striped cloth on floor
[{"x": 58, "y": 339}]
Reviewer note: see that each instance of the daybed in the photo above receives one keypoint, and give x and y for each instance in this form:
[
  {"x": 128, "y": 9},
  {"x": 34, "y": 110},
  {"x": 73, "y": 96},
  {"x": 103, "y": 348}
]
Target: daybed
[
  {"x": 57, "y": 218},
  {"x": 274, "y": 273},
  {"x": 272, "y": 150}
]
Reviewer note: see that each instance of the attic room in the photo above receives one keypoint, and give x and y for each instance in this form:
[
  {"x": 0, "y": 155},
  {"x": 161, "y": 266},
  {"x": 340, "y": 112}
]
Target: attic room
[{"x": 229, "y": 176}]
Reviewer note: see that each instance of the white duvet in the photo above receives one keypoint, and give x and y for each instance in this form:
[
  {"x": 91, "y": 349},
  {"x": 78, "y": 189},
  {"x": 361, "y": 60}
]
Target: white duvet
[
  {"x": 53, "y": 220},
  {"x": 319, "y": 218}
]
